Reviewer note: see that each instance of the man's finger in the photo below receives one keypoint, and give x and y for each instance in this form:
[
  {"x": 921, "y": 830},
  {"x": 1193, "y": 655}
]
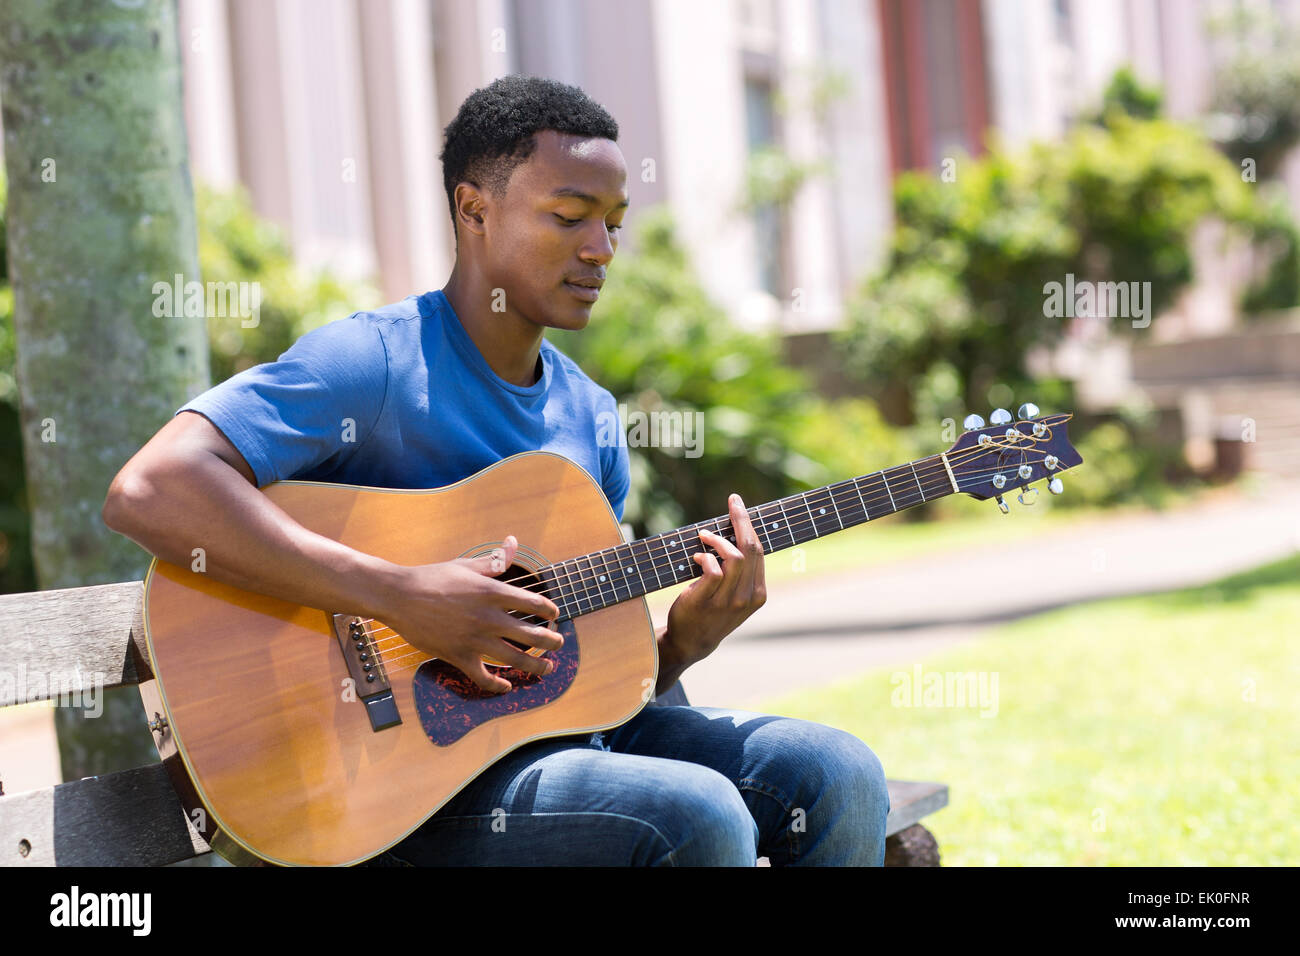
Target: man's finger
[
  {"x": 747, "y": 541},
  {"x": 533, "y": 635},
  {"x": 740, "y": 520},
  {"x": 514, "y": 598},
  {"x": 733, "y": 573},
  {"x": 721, "y": 545},
  {"x": 496, "y": 561},
  {"x": 709, "y": 584},
  {"x": 506, "y": 653},
  {"x": 478, "y": 672}
]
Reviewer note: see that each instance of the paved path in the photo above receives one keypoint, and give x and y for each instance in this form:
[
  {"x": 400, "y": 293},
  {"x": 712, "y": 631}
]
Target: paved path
[{"x": 813, "y": 632}]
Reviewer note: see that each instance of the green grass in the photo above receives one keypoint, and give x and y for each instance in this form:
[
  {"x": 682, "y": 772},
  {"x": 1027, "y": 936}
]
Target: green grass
[{"x": 1161, "y": 730}]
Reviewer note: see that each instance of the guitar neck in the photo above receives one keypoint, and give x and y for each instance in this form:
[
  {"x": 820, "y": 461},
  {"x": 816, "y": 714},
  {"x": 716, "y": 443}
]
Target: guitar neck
[{"x": 597, "y": 580}]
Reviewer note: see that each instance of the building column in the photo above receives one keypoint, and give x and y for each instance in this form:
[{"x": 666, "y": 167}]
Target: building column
[
  {"x": 209, "y": 94},
  {"x": 411, "y": 220}
]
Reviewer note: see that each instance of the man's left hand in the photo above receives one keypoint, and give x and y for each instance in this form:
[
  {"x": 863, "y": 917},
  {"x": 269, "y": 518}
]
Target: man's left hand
[{"x": 720, "y": 601}]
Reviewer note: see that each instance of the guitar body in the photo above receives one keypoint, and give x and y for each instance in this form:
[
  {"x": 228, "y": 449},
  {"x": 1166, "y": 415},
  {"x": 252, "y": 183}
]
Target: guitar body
[
  {"x": 298, "y": 735},
  {"x": 263, "y": 713}
]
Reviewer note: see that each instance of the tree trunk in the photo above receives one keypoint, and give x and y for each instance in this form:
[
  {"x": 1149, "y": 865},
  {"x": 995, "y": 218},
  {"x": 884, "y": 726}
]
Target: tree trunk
[{"x": 100, "y": 208}]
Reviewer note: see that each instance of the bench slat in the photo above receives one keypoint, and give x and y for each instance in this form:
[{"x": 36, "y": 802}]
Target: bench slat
[
  {"x": 130, "y": 818},
  {"x": 57, "y": 642},
  {"x": 910, "y": 800}
]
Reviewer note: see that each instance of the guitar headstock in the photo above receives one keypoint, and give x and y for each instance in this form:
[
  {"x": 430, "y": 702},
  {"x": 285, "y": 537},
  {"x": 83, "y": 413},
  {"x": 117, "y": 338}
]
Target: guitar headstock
[{"x": 990, "y": 460}]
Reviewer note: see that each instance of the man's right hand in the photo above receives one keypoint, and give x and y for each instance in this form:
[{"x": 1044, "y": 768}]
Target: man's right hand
[{"x": 456, "y": 611}]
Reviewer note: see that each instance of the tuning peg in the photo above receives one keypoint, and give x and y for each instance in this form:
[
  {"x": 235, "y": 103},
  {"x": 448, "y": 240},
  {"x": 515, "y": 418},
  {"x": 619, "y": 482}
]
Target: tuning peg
[
  {"x": 1000, "y": 416},
  {"x": 1002, "y": 504},
  {"x": 1027, "y": 411},
  {"x": 1033, "y": 496},
  {"x": 1055, "y": 486},
  {"x": 972, "y": 422}
]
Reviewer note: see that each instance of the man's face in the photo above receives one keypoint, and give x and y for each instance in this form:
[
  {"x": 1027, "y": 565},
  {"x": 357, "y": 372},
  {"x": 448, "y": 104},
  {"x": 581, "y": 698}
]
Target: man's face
[{"x": 557, "y": 227}]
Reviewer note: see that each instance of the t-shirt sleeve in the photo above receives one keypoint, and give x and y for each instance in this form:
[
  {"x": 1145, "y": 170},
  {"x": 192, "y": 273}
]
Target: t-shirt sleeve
[
  {"x": 615, "y": 466},
  {"x": 313, "y": 406}
]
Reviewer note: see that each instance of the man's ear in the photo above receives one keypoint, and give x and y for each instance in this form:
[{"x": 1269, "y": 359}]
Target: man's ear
[{"x": 469, "y": 206}]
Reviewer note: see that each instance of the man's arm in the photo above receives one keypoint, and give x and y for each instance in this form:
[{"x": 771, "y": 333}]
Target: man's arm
[{"x": 189, "y": 487}]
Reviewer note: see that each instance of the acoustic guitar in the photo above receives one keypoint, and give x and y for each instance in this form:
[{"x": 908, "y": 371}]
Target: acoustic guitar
[{"x": 308, "y": 736}]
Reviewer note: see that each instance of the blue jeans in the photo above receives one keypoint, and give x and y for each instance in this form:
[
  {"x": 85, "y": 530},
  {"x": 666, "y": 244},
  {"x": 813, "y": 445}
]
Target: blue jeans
[{"x": 674, "y": 786}]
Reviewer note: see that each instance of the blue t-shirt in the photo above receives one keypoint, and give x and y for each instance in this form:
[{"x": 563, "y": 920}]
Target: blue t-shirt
[{"x": 401, "y": 397}]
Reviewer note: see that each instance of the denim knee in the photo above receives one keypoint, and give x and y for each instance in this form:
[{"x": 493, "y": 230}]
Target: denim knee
[
  {"x": 855, "y": 773},
  {"x": 825, "y": 798},
  {"x": 705, "y": 821},
  {"x": 854, "y": 795}
]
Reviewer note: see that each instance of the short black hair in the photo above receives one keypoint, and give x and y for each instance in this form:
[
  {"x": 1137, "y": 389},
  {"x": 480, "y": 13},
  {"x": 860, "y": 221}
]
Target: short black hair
[{"x": 493, "y": 131}]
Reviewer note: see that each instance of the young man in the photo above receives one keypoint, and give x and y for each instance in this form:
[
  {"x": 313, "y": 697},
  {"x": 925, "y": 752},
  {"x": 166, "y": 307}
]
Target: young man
[{"x": 438, "y": 387}]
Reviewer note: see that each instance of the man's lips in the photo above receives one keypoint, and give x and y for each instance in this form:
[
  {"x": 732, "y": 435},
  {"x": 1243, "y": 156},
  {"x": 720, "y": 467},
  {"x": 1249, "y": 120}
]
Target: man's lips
[{"x": 587, "y": 291}]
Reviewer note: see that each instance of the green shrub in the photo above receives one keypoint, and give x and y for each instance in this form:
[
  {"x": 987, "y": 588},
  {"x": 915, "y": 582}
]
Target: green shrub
[
  {"x": 235, "y": 245},
  {"x": 1123, "y": 460},
  {"x": 964, "y": 280},
  {"x": 1256, "y": 99},
  {"x": 658, "y": 344}
]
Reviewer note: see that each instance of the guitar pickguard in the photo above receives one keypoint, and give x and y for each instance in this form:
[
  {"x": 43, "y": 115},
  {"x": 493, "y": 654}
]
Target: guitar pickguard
[{"x": 450, "y": 705}]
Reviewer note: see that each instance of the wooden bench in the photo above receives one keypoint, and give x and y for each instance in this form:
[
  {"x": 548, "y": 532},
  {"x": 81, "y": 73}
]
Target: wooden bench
[{"x": 135, "y": 817}]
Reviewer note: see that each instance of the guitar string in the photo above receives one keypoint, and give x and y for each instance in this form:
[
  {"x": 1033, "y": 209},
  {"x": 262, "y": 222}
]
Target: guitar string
[
  {"x": 800, "y": 524},
  {"x": 566, "y": 579},
  {"x": 395, "y": 637},
  {"x": 658, "y": 546},
  {"x": 381, "y": 646},
  {"x": 424, "y": 655},
  {"x": 413, "y": 652}
]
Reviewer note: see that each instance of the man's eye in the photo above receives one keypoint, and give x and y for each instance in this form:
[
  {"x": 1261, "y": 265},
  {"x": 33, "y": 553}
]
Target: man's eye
[{"x": 574, "y": 222}]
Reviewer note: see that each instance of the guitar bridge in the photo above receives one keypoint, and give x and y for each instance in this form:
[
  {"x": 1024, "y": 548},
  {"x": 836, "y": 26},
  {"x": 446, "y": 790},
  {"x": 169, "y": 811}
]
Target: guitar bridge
[{"x": 366, "y": 668}]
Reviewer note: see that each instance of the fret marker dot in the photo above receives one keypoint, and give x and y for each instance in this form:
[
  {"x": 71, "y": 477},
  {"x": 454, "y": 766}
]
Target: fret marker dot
[
  {"x": 823, "y": 511},
  {"x": 681, "y": 567},
  {"x": 602, "y": 577},
  {"x": 627, "y": 570}
]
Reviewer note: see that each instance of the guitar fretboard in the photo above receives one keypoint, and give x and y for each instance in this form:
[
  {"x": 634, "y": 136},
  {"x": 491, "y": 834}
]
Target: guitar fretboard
[{"x": 593, "y": 581}]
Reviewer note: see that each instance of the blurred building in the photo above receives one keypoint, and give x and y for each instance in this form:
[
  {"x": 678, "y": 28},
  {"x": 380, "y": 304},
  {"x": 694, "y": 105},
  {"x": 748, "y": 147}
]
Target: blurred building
[{"x": 331, "y": 113}]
